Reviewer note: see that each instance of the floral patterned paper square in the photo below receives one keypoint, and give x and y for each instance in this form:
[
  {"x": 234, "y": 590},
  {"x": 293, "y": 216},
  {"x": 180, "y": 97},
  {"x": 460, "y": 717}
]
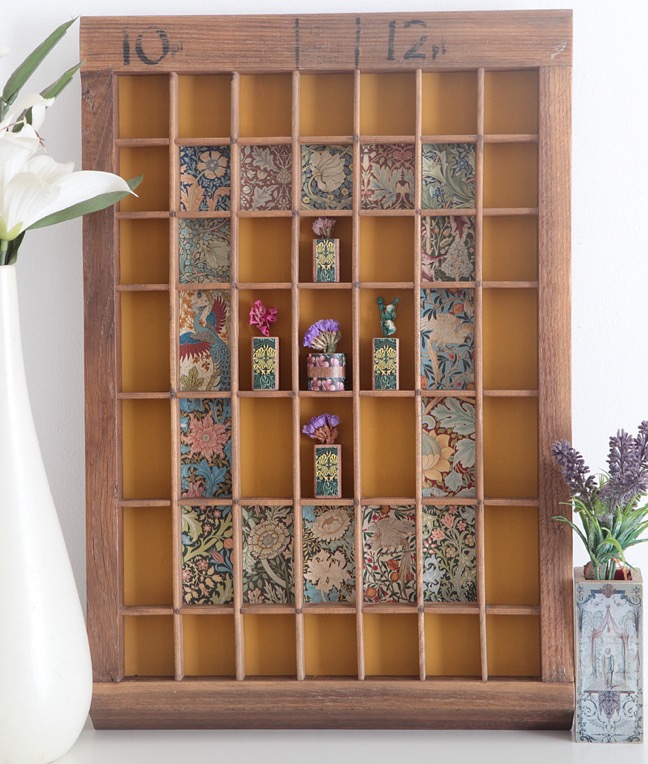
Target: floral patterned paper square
[
  {"x": 448, "y": 447},
  {"x": 206, "y": 447},
  {"x": 207, "y": 542},
  {"x": 387, "y": 176},
  {"x": 327, "y": 177},
  {"x": 448, "y": 175},
  {"x": 329, "y": 556},
  {"x": 447, "y": 339},
  {"x": 205, "y": 355},
  {"x": 204, "y": 178},
  {"x": 268, "y": 574},
  {"x": 449, "y": 561},
  {"x": 204, "y": 250},
  {"x": 389, "y": 546},
  {"x": 266, "y": 177},
  {"x": 448, "y": 248}
]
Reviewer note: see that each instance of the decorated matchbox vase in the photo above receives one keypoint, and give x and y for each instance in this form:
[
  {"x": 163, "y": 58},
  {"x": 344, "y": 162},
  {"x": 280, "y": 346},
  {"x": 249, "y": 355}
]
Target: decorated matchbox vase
[
  {"x": 265, "y": 363},
  {"x": 326, "y": 371},
  {"x": 328, "y": 471},
  {"x": 384, "y": 372},
  {"x": 326, "y": 260},
  {"x": 608, "y": 637}
]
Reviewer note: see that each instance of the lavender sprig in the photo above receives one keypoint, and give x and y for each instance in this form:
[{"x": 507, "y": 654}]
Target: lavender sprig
[
  {"x": 323, "y": 335},
  {"x": 628, "y": 468},
  {"x": 574, "y": 470},
  {"x": 322, "y": 428},
  {"x": 323, "y": 227}
]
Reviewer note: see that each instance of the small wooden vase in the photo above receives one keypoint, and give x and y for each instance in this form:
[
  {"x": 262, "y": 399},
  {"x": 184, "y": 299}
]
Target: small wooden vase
[
  {"x": 326, "y": 371},
  {"x": 384, "y": 372},
  {"x": 328, "y": 471},
  {"x": 265, "y": 363},
  {"x": 326, "y": 260}
]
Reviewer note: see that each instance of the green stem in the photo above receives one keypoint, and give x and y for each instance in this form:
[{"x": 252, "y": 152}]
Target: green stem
[{"x": 4, "y": 247}]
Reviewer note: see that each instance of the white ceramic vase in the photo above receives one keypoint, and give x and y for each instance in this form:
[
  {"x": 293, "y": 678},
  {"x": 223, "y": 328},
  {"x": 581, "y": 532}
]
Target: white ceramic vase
[{"x": 45, "y": 669}]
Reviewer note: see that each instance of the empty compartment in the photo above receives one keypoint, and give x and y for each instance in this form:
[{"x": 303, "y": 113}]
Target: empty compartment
[
  {"x": 204, "y": 106},
  {"x": 330, "y": 647},
  {"x": 510, "y": 175},
  {"x": 266, "y": 446},
  {"x": 510, "y": 447},
  {"x": 326, "y": 104},
  {"x": 207, "y": 566},
  {"x": 143, "y": 252},
  {"x": 388, "y": 446},
  {"x": 146, "y": 449},
  {"x": 270, "y": 645},
  {"x": 511, "y": 102},
  {"x": 452, "y": 645},
  {"x": 387, "y": 104},
  {"x": 511, "y": 538},
  {"x": 510, "y": 337},
  {"x": 264, "y": 250},
  {"x": 391, "y": 645},
  {"x": 143, "y": 95},
  {"x": 265, "y": 105},
  {"x": 209, "y": 645},
  {"x": 148, "y": 547},
  {"x": 145, "y": 341},
  {"x": 153, "y": 191},
  {"x": 148, "y": 645},
  {"x": 449, "y": 103},
  {"x": 513, "y": 644},
  {"x": 510, "y": 248},
  {"x": 387, "y": 248}
]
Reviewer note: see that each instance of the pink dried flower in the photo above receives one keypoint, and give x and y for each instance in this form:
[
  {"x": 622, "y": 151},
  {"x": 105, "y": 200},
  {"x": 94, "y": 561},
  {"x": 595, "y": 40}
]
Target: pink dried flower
[
  {"x": 262, "y": 317},
  {"x": 323, "y": 227}
]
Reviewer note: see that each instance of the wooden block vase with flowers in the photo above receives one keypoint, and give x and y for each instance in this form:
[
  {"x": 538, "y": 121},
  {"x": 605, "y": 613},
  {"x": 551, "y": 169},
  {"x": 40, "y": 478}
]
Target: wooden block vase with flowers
[
  {"x": 328, "y": 456},
  {"x": 265, "y": 349},
  {"x": 325, "y": 368},
  {"x": 326, "y": 252}
]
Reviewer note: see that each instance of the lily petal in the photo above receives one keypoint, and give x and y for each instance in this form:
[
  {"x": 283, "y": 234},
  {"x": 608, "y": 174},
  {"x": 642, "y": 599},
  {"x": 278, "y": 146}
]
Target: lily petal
[
  {"x": 49, "y": 169},
  {"x": 24, "y": 198},
  {"x": 33, "y": 101},
  {"x": 15, "y": 151}
]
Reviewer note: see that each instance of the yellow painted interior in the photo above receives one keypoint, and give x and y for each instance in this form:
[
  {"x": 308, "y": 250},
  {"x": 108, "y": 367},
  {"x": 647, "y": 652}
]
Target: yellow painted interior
[
  {"x": 148, "y": 548},
  {"x": 511, "y": 559},
  {"x": 386, "y": 248},
  {"x": 145, "y": 351},
  {"x": 153, "y": 191},
  {"x": 342, "y": 231},
  {"x": 513, "y": 645},
  {"x": 510, "y": 248},
  {"x": 280, "y": 299},
  {"x": 330, "y": 645},
  {"x": 449, "y": 103},
  {"x": 387, "y": 104},
  {"x": 510, "y": 336},
  {"x": 264, "y": 250},
  {"x": 511, "y": 447},
  {"x": 266, "y": 105},
  {"x": 146, "y": 449},
  {"x": 452, "y": 645},
  {"x": 204, "y": 106},
  {"x": 387, "y": 448},
  {"x": 140, "y": 96},
  {"x": 148, "y": 645},
  {"x": 266, "y": 441},
  {"x": 326, "y": 104},
  {"x": 270, "y": 645},
  {"x": 510, "y": 175},
  {"x": 511, "y": 102},
  {"x": 391, "y": 645},
  {"x": 370, "y": 328},
  {"x": 144, "y": 251},
  {"x": 387, "y": 458},
  {"x": 209, "y": 645}
]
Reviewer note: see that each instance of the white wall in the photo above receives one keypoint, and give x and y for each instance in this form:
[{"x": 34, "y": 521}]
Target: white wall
[{"x": 610, "y": 237}]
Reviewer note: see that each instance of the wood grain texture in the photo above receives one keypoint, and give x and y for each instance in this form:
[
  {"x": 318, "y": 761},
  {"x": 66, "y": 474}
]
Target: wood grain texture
[
  {"x": 554, "y": 364},
  {"x": 380, "y": 41},
  {"x": 332, "y": 704},
  {"x": 102, "y": 563}
]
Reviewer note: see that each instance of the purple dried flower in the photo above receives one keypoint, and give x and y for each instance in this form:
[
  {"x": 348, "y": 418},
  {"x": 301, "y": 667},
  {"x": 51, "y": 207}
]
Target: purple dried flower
[
  {"x": 323, "y": 335},
  {"x": 574, "y": 470},
  {"x": 628, "y": 468},
  {"x": 323, "y": 227},
  {"x": 322, "y": 428}
]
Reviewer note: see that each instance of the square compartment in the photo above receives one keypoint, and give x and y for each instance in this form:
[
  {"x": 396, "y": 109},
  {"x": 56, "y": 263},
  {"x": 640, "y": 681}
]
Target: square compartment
[
  {"x": 144, "y": 342},
  {"x": 268, "y": 552},
  {"x": 511, "y": 102},
  {"x": 205, "y": 177},
  {"x": 204, "y": 336},
  {"x": 391, "y": 645},
  {"x": 387, "y": 104},
  {"x": 327, "y": 177},
  {"x": 387, "y": 248},
  {"x": 206, "y": 447},
  {"x": 266, "y": 447},
  {"x": 153, "y": 192},
  {"x": 448, "y": 248},
  {"x": 329, "y": 553},
  {"x": 387, "y": 176},
  {"x": 448, "y": 447},
  {"x": 143, "y": 252},
  {"x": 204, "y": 105},
  {"x": 270, "y": 648},
  {"x": 143, "y": 95},
  {"x": 510, "y": 248},
  {"x": 330, "y": 647},
  {"x": 204, "y": 250},
  {"x": 147, "y": 556},
  {"x": 277, "y": 298},
  {"x": 326, "y": 104},
  {"x": 449, "y": 103},
  {"x": 389, "y": 550},
  {"x": 452, "y": 645},
  {"x": 388, "y": 448},
  {"x": 513, "y": 645},
  {"x": 342, "y": 231},
  {"x": 449, "y": 558},
  {"x": 148, "y": 646},
  {"x": 265, "y": 246},
  {"x": 207, "y": 544},
  {"x": 510, "y": 175},
  {"x": 448, "y": 176},
  {"x": 266, "y": 177},
  {"x": 146, "y": 449},
  {"x": 265, "y": 105},
  {"x": 209, "y": 648}
]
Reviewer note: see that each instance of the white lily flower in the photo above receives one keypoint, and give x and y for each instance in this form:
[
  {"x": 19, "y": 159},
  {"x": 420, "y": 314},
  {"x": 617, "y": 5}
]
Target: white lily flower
[{"x": 33, "y": 101}]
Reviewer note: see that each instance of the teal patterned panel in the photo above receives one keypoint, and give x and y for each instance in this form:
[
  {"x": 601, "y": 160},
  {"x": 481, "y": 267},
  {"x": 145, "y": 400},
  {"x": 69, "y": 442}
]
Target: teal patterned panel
[
  {"x": 265, "y": 363},
  {"x": 204, "y": 178},
  {"x": 206, "y": 447},
  {"x": 385, "y": 363}
]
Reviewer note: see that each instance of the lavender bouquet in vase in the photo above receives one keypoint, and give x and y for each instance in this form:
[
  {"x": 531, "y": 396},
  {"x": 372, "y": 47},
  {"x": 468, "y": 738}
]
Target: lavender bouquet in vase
[{"x": 326, "y": 369}]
